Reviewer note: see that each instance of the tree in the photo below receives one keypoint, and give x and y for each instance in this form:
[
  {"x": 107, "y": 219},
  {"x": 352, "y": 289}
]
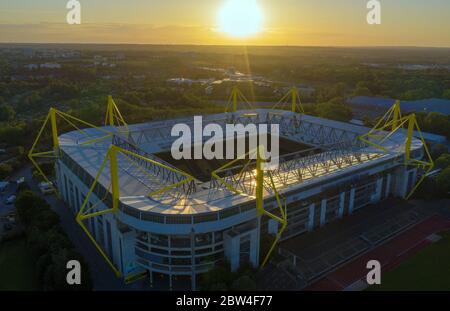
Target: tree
[
  {"x": 5, "y": 170},
  {"x": 244, "y": 283},
  {"x": 428, "y": 190},
  {"x": 7, "y": 113},
  {"x": 12, "y": 134},
  {"x": 443, "y": 182},
  {"x": 362, "y": 91},
  {"x": 55, "y": 274},
  {"x": 443, "y": 161},
  {"x": 437, "y": 123},
  {"x": 49, "y": 243},
  {"x": 334, "y": 111},
  {"x": 221, "y": 274},
  {"x": 446, "y": 94},
  {"x": 438, "y": 150},
  {"x": 28, "y": 206}
]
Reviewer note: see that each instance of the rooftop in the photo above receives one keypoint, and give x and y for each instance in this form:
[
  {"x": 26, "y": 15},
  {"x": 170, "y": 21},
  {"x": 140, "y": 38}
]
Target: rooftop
[{"x": 341, "y": 152}]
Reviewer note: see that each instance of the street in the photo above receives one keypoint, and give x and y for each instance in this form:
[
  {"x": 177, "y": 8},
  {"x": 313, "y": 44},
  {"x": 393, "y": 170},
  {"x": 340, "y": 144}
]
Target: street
[{"x": 102, "y": 276}]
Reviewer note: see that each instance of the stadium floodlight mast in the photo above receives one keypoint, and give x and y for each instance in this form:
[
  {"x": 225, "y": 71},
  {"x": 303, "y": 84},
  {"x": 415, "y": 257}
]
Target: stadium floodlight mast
[
  {"x": 262, "y": 176},
  {"x": 387, "y": 126}
]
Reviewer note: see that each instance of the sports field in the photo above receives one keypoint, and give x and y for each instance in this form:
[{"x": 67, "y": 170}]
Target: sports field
[
  {"x": 16, "y": 266},
  {"x": 413, "y": 260},
  {"x": 429, "y": 269}
]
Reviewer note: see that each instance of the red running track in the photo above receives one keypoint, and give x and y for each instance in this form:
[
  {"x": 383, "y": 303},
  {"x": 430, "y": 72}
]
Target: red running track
[{"x": 390, "y": 255}]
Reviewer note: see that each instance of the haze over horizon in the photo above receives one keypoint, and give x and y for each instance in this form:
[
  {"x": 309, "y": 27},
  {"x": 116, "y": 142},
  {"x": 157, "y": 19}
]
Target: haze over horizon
[{"x": 285, "y": 23}]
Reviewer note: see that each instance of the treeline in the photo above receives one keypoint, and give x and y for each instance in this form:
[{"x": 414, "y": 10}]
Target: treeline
[
  {"x": 431, "y": 122},
  {"x": 437, "y": 187},
  {"x": 49, "y": 244},
  {"x": 220, "y": 278},
  {"x": 434, "y": 122}
]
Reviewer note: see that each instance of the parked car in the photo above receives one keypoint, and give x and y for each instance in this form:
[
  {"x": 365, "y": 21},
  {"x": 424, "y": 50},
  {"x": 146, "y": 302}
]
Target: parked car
[
  {"x": 46, "y": 187},
  {"x": 3, "y": 186},
  {"x": 10, "y": 200}
]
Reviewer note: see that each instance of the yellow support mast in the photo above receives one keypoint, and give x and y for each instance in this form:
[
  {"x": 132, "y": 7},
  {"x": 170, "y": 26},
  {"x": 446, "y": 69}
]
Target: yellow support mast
[
  {"x": 84, "y": 213},
  {"x": 294, "y": 96},
  {"x": 236, "y": 96},
  {"x": 263, "y": 179},
  {"x": 113, "y": 118},
  {"x": 52, "y": 118},
  {"x": 113, "y": 115},
  {"x": 387, "y": 126},
  {"x": 260, "y": 158}
]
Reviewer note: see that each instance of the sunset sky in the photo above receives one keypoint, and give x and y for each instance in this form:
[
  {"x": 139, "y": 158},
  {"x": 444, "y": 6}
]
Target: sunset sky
[{"x": 284, "y": 22}]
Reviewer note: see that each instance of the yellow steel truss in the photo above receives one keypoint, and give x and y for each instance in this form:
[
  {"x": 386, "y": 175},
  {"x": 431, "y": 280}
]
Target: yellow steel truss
[
  {"x": 51, "y": 118},
  {"x": 112, "y": 158},
  {"x": 293, "y": 96},
  {"x": 236, "y": 96},
  {"x": 389, "y": 124},
  {"x": 113, "y": 116},
  {"x": 261, "y": 182}
]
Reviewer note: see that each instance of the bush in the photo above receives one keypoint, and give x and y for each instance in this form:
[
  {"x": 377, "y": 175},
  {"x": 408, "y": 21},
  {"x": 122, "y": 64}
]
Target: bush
[
  {"x": 443, "y": 161},
  {"x": 221, "y": 278},
  {"x": 438, "y": 150},
  {"x": 244, "y": 283},
  {"x": 5, "y": 170},
  {"x": 428, "y": 190},
  {"x": 443, "y": 182},
  {"x": 23, "y": 187},
  {"x": 49, "y": 243},
  {"x": 29, "y": 206}
]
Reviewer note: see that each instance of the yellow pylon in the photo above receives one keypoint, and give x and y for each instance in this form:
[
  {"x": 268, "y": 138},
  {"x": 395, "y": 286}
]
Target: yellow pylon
[
  {"x": 389, "y": 124},
  {"x": 235, "y": 97},
  {"x": 113, "y": 115},
  {"x": 86, "y": 213},
  {"x": 294, "y": 96},
  {"x": 51, "y": 118},
  {"x": 260, "y": 180}
]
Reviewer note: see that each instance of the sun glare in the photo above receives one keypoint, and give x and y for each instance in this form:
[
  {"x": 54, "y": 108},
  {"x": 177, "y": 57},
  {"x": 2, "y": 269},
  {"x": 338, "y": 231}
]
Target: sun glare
[{"x": 240, "y": 18}]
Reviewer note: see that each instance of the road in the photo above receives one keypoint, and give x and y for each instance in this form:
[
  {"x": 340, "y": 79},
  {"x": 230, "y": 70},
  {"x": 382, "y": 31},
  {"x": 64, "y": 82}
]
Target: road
[
  {"x": 102, "y": 276},
  {"x": 5, "y": 209}
]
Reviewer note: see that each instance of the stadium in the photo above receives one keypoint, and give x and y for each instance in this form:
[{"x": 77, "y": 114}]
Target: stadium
[{"x": 171, "y": 221}]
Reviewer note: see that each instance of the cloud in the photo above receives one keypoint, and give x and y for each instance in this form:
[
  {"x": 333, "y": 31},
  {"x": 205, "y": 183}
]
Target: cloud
[
  {"x": 136, "y": 33},
  {"x": 151, "y": 34}
]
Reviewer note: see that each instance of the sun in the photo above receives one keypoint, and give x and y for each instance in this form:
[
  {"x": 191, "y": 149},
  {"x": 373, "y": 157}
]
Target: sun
[{"x": 240, "y": 18}]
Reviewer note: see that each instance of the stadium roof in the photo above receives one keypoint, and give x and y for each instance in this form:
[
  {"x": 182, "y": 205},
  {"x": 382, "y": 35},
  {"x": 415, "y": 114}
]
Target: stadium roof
[{"x": 135, "y": 185}]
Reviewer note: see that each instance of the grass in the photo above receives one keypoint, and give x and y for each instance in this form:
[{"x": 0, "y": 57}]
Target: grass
[
  {"x": 428, "y": 270},
  {"x": 17, "y": 266}
]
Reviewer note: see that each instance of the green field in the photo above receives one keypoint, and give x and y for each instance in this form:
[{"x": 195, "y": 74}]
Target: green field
[
  {"x": 428, "y": 270},
  {"x": 17, "y": 266}
]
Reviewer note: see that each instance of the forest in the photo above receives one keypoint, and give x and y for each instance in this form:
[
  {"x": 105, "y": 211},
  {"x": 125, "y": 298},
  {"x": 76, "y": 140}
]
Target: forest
[{"x": 138, "y": 78}]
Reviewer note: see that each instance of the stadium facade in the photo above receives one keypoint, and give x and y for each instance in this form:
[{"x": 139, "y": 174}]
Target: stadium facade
[{"x": 174, "y": 234}]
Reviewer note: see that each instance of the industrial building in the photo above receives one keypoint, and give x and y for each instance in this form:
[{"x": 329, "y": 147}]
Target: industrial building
[{"x": 170, "y": 221}]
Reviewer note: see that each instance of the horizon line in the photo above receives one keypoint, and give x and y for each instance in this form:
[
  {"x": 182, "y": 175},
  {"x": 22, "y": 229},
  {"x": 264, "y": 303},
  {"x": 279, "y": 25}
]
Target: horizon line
[{"x": 228, "y": 45}]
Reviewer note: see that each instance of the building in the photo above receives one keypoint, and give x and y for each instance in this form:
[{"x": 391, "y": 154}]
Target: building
[
  {"x": 32, "y": 66},
  {"x": 50, "y": 66},
  {"x": 377, "y": 106},
  {"x": 174, "y": 235}
]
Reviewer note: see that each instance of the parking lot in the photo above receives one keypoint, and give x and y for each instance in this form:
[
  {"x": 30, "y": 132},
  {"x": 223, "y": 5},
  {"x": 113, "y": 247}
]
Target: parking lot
[
  {"x": 8, "y": 223},
  {"x": 10, "y": 190},
  {"x": 102, "y": 276}
]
